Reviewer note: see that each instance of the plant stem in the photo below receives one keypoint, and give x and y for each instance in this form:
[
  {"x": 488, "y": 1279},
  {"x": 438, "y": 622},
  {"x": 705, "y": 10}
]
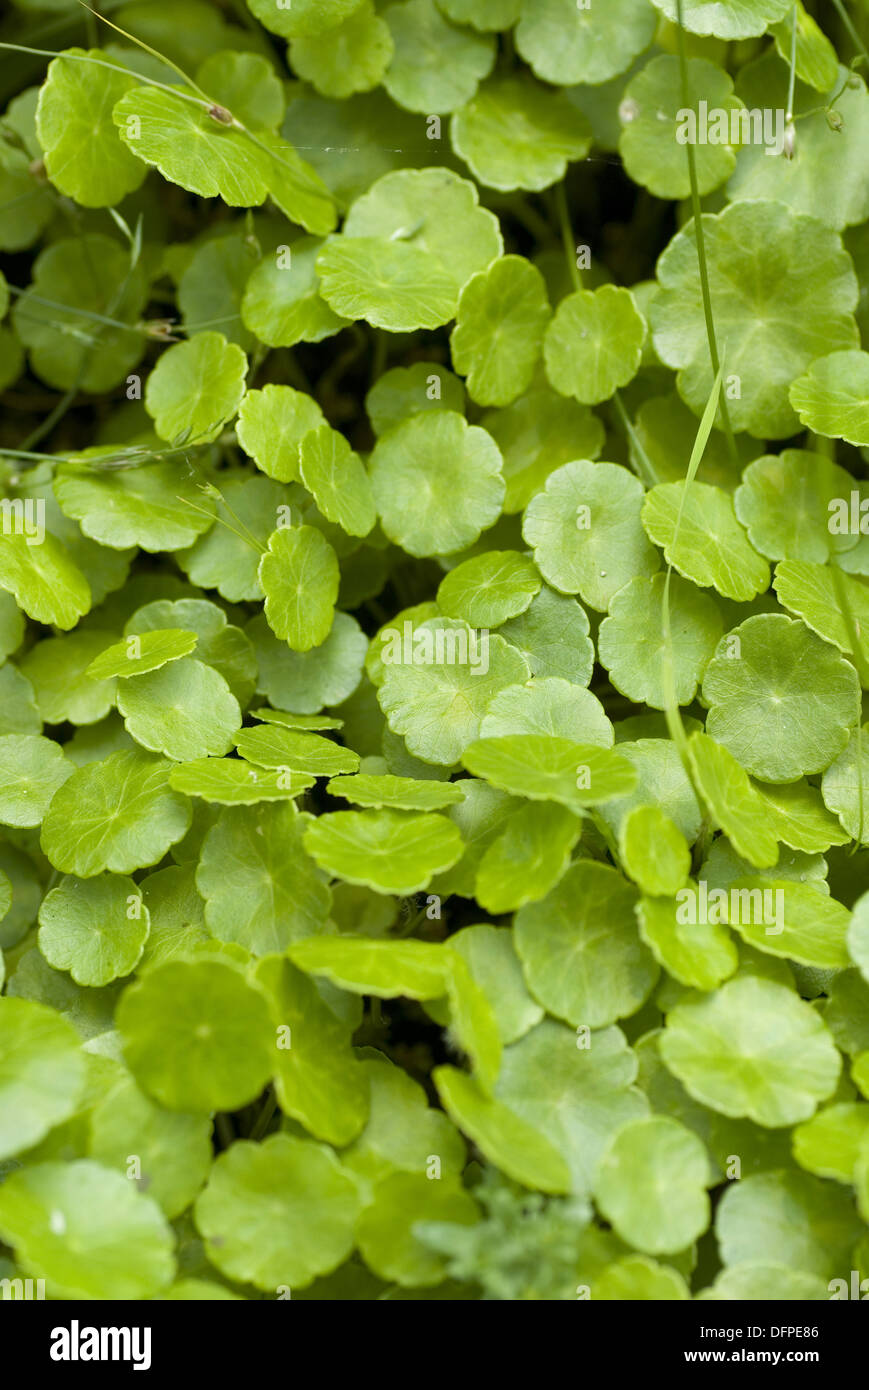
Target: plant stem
[
  {"x": 645, "y": 465},
  {"x": 789, "y": 114},
  {"x": 567, "y": 234},
  {"x": 140, "y": 43},
  {"x": 265, "y": 1117},
  {"x": 849, "y": 28},
  {"x": 225, "y": 1131},
  {"x": 531, "y": 219},
  {"x": 701, "y": 245},
  {"x": 104, "y": 63},
  {"x": 102, "y": 319}
]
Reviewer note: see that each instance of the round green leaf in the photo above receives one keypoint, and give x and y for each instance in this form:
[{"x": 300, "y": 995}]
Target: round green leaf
[
  {"x": 661, "y": 780},
  {"x": 654, "y": 125},
  {"x": 711, "y": 547},
  {"x": 42, "y": 1073},
  {"x": 196, "y": 387},
  {"x": 299, "y": 575},
  {"x": 812, "y": 592},
  {"x": 548, "y": 706},
  {"x": 18, "y": 712},
  {"x": 752, "y": 1048},
  {"x": 304, "y": 18},
  {"x": 482, "y": 14},
  {"x": 336, "y": 477},
  {"x": 508, "y": 1141},
  {"x": 231, "y": 782},
  {"x": 653, "y": 851},
  {"x": 756, "y": 1281},
  {"x": 801, "y": 530},
  {"x": 32, "y": 768},
  {"x": 735, "y": 805},
  {"x": 87, "y": 1231},
  {"x": 803, "y": 925},
  {"x": 651, "y": 1185},
  {"x": 594, "y": 343},
  {"x": 498, "y": 335},
  {"x": 385, "y": 1229},
  {"x": 319, "y": 1081},
  {"x": 832, "y": 397},
  {"x": 138, "y": 655},
  {"x": 58, "y": 667},
  {"x": 272, "y": 424},
  {"x": 84, "y": 157},
  {"x": 46, "y": 583},
  {"x": 402, "y": 1131},
  {"x": 585, "y": 531},
  {"x": 545, "y": 767},
  {"x": 565, "y": 43},
  {"x": 781, "y": 701},
  {"x": 389, "y": 851},
  {"x": 398, "y": 793},
  {"x": 699, "y": 954},
  {"x": 404, "y": 391},
  {"x": 258, "y": 858},
  {"x": 799, "y": 817},
  {"x": 94, "y": 928},
  {"x": 270, "y": 745},
  {"x": 306, "y": 681},
  {"x": 11, "y": 625},
  {"x": 782, "y": 290},
  {"x": 184, "y": 710},
  {"x": 207, "y": 156},
  {"x": 394, "y": 285},
  {"x": 829, "y": 1144},
  {"x": 277, "y": 1214},
  {"x": 528, "y": 858},
  {"x": 788, "y": 1218},
  {"x": 196, "y": 1036},
  {"x": 490, "y": 588},
  {"x": 858, "y": 935},
  {"x": 353, "y": 58},
  {"x": 636, "y": 1278},
  {"x": 282, "y": 303},
  {"x": 631, "y": 642},
  {"x": 580, "y": 950},
  {"x": 386, "y": 969},
  {"x": 118, "y": 814},
  {"x": 435, "y": 67},
  {"x": 456, "y": 467},
  {"x": 517, "y": 134},
  {"x": 845, "y": 786},
  {"x": 463, "y": 238},
  {"x": 536, "y": 435},
  {"x": 575, "y": 1088},
  {"x": 174, "y": 1151},
  {"x": 552, "y": 635},
  {"x": 148, "y": 506},
  {"x": 738, "y": 19},
  {"x": 309, "y": 722}
]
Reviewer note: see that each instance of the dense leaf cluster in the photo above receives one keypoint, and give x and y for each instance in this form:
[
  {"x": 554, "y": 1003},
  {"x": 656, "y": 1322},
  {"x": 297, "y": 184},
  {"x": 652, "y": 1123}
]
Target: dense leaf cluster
[{"x": 434, "y": 790}]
